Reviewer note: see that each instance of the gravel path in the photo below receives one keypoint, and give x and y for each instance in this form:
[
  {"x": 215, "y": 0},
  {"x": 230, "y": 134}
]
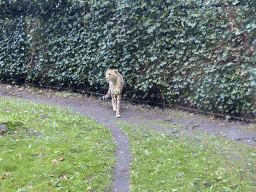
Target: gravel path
[{"x": 102, "y": 111}]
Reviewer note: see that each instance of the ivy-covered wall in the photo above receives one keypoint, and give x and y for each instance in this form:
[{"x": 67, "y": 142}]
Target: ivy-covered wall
[{"x": 198, "y": 53}]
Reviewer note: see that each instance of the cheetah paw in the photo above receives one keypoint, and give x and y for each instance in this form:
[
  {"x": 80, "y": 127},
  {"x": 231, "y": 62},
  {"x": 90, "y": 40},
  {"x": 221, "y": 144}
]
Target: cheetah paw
[{"x": 118, "y": 116}]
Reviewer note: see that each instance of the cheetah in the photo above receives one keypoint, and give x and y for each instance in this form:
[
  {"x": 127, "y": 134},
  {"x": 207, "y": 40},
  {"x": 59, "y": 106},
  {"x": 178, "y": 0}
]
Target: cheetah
[{"x": 116, "y": 84}]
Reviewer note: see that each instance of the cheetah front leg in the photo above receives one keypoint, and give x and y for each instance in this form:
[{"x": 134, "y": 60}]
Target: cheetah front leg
[
  {"x": 118, "y": 105},
  {"x": 113, "y": 101}
]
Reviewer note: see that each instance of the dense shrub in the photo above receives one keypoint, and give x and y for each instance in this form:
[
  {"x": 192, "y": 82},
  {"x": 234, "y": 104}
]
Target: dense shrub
[{"x": 197, "y": 53}]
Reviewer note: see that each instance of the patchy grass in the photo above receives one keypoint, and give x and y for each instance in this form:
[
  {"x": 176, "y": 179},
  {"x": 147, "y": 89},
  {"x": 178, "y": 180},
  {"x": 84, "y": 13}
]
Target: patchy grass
[
  {"x": 168, "y": 125},
  {"x": 185, "y": 162},
  {"x": 178, "y": 113},
  {"x": 47, "y": 148}
]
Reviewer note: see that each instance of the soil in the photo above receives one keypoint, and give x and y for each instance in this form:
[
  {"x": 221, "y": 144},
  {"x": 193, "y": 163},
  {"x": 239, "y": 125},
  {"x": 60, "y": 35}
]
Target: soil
[{"x": 138, "y": 114}]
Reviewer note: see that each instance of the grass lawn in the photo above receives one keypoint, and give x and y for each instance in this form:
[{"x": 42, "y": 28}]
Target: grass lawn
[
  {"x": 47, "y": 148},
  {"x": 165, "y": 162}
]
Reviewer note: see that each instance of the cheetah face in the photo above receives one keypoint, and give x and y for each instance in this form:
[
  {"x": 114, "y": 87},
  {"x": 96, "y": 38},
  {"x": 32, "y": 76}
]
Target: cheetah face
[{"x": 111, "y": 74}]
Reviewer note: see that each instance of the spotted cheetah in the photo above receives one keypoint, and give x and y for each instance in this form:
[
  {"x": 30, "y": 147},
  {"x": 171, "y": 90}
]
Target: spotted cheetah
[{"x": 116, "y": 84}]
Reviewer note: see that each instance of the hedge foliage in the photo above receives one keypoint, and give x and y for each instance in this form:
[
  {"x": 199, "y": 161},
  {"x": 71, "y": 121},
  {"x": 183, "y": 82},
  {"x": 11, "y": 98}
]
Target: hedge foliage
[{"x": 198, "y": 53}]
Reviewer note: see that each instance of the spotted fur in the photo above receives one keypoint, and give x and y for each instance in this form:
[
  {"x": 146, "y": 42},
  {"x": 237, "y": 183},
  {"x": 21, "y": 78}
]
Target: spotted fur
[{"x": 116, "y": 84}]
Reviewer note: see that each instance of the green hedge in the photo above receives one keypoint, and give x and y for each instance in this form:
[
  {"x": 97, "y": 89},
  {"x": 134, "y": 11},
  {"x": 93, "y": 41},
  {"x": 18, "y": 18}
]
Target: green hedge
[{"x": 190, "y": 52}]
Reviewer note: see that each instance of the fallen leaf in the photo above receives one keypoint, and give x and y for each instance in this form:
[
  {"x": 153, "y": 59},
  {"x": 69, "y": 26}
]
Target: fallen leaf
[
  {"x": 61, "y": 176},
  {"x": 218, "y": 178},
  {"x": 206, "y": 183},
  {"x": 52, "y": 175},
  {"x": 61, "y": 158},
  {"x": 1, "y": 159},
  {"x": 6, "y": 174},
  {"x": 1, "y": 177},
  {"x": 54, "y": 160}
]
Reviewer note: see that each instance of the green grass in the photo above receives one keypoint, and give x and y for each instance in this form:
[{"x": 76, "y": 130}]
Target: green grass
[
  {"x": 49, "y": 148},
  {"x": 186, "y": 162},
  {"x": 178, "y": 113}
]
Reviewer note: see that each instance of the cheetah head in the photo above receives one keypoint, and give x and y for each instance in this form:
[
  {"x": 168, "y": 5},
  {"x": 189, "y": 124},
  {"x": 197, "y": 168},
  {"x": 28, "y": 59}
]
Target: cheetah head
[{"x": 111, "y": 74}]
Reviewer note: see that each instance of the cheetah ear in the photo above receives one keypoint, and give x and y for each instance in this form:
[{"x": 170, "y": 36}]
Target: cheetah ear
[{"x": 116, "y": 70}]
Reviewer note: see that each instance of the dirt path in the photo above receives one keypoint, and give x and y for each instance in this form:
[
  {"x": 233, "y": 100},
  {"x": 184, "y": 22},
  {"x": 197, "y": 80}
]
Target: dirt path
[{"x": 102, "y": 111}]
